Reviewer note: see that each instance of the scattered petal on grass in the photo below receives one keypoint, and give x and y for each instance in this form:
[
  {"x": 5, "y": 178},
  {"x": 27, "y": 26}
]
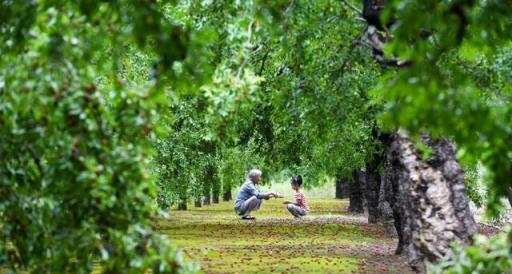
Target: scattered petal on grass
[{"x": 328, "y": 240}]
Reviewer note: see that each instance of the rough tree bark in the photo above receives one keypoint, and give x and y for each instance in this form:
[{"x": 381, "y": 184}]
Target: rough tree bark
[
  {"x": 341, "y": 187},
  {"x": 356, "y": 193},
  {"x": 428, "y": 200}
]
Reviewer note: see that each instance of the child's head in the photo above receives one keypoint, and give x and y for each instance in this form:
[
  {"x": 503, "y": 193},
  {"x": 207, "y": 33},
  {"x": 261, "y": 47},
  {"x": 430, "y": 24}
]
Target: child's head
[{"x": 296, "y": 182}]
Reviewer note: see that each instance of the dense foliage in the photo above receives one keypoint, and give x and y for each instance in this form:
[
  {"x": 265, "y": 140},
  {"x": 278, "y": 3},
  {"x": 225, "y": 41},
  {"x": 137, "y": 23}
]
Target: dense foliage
[
  {"x": 75, "y": 187},
  {"x": 269, "y": 106},
  {"x": 312, "y": 102},
  {"x": 483, "y": 256},
  {"x": 191, "y": 165}
]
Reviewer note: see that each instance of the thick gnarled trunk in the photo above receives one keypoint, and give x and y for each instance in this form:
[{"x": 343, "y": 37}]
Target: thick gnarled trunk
[{"x": 427, "y": 198}]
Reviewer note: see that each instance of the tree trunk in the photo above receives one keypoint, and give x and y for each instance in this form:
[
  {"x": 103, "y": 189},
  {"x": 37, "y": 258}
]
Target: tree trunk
[
  {"x": 197, "y": 203},
  {"x": 378, "y": 210},
  {"x": 206, "y": 200},
  {"x": 182, "y": 205},
  {"x": 356, "y": 194},
  {"x": 371, "y": 190},
  {"x": 341, "y": 187},
  {"x": 227, "y": 195},
  {"x": 387, "y": 200},
  {"x": 510, "y": 196},
  {"x": 214, "y": 178},
  {"x": 428, "y": 201},
  {"x": 207, "y": 188},
  {"x": 215, "y": 190},
  {"x": 215, "y": 197}
]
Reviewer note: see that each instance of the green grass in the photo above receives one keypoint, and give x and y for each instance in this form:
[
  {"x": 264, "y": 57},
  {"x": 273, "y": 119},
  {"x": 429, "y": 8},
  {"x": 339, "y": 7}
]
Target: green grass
[{"x": 328, "y": 240}]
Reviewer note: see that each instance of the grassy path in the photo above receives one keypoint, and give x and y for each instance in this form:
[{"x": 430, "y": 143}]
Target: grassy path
[{"x": 327, "y": 241}]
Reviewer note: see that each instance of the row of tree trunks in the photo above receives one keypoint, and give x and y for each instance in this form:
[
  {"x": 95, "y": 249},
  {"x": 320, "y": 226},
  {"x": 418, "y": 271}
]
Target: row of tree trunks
[
  {"x": 427, "y": 199},
  {"x": 209, "y": 199},
  {"x": 364, "y": 192},
  {"x": 377, "y": 211},
  {"x": 422, "y": 201},
  {"x": 214, "y": 198},
  {"x": 370, "y": 180}
]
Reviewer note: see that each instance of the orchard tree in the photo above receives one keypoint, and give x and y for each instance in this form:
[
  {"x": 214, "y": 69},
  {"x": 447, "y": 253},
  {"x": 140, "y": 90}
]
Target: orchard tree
[
  {"x": 179, "y": 162},
  {"x": 281, "y": 90},
  {"x": 76, "y": 113},
  {"x": 444, "y": 92}
]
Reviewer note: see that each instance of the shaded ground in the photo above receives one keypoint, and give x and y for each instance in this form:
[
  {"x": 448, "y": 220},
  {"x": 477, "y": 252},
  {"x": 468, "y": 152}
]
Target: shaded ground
[{"x": 327, "y": 241}]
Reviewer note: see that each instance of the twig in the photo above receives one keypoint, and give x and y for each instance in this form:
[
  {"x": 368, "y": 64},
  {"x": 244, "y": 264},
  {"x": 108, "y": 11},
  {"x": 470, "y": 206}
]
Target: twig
[
  {"x": 392, "y": 62},
  {"x": 263, "y": 62},
  {"x": 37, "y": 160},
  {"x": 289, "y": 7},
  {"x": 248, "y": 43},
  {"x": 352, "y": 7},
  {"x": 356, "y": 41}
]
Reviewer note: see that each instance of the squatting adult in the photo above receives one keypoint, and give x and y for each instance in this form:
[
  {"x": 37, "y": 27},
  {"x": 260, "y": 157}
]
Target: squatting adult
[{"x": 249, "y": 197}]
